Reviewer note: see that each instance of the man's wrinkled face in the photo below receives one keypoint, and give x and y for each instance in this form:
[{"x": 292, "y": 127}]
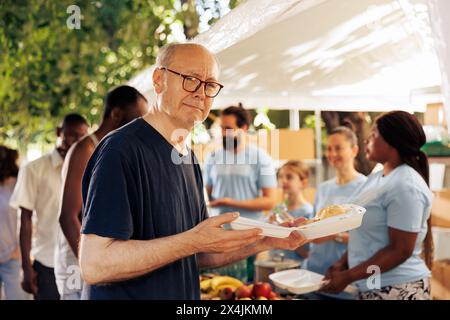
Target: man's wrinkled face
[{"x": 183, "y": 107}]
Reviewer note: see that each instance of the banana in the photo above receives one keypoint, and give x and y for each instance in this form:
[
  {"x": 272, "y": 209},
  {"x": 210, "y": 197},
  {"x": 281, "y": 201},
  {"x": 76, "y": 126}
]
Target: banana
[
  {"x": 225, "y": 280},
  {"x": 226, "y": 285},
  {"x": 205, "y": 285},
  {"x": 214, "y": 293}
]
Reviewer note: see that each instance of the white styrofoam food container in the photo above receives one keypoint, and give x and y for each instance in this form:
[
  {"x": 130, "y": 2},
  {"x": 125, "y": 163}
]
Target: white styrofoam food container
[
  {"x": 301, "y": 281},
  {"x": 350, "y": 220},
  {"x": 298, "y": 281}
]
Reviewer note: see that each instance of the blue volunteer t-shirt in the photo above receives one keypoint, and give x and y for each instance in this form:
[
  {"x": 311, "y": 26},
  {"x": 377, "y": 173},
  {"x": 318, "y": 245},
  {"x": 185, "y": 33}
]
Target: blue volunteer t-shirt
[
  {"x": 136, "y": 186},
  {"x": 403, "y": 202},
  {"x": 239, "y": 176},
  {"x": 324, "y": 255}
]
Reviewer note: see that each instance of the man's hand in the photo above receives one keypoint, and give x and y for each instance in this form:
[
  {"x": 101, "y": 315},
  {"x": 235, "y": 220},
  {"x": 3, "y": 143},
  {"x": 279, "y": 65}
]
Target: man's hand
[
  {"x": 29, "y": 283},
  {"x": 221, "y": 202},
  {"x": 210, "y": 237},
  {"x": 292, "y": 242}
]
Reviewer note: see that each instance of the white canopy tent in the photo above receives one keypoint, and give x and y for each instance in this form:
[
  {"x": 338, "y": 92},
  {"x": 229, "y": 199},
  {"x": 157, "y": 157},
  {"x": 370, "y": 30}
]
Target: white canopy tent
[
  {"x": 440, "y": 21},
  {"x": 348, "y": 55},
  {"x": 342, "y": 55}
]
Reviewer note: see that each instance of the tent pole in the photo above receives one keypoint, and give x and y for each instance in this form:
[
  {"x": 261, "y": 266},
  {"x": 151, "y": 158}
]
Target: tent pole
[
  {"x": 294, "y": 119},
  {"x": 319, "y": 169}
]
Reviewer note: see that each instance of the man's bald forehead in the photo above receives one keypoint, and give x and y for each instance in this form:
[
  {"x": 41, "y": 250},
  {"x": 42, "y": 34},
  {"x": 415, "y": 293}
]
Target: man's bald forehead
[{"x": 168, "y": 53}]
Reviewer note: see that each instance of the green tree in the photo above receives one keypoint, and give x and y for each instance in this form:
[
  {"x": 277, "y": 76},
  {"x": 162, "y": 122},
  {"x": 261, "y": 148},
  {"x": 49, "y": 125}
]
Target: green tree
[{"x": 48, "y": 69}]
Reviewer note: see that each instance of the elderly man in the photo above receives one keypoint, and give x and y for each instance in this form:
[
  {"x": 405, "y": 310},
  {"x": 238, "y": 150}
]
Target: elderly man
[{"x": 145, "y": 228}]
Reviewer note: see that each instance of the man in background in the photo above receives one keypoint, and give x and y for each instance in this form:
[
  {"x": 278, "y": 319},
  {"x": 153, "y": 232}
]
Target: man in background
[
  {"x": 38, "y": 190},
  {"x": 122, "y": 105}
]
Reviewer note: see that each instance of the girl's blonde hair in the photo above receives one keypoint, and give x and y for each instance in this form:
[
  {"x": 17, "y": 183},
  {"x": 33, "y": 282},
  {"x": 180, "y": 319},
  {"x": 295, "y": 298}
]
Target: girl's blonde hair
[{"x": 297, "y": 167}]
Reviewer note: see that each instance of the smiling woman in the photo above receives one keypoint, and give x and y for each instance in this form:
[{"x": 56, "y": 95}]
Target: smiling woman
[{"x": 341, "y": 152}]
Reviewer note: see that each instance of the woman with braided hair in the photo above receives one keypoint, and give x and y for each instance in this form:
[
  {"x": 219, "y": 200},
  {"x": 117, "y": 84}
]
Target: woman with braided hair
[{"x": 384, "y": 258}]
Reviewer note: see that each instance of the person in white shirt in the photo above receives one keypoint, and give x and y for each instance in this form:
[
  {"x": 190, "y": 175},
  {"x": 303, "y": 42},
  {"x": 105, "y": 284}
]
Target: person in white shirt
[{"x": 38, "y": 190}]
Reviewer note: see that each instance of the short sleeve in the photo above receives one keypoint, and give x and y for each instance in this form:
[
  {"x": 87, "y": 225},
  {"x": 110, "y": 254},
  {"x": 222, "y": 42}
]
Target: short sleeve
[
  {"x": 106, "y": 209},
  {"x": 25, "y": 191},
  {"x": 406, "y": 210},
  {"x": 266, "y": 172}
]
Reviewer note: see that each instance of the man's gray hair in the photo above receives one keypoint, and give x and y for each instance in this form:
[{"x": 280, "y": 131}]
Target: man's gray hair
[{"x": 165, "y": 54}]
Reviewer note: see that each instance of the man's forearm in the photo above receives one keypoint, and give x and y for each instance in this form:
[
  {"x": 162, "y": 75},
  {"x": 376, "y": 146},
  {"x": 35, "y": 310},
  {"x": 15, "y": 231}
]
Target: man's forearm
[
  {"x": 257, "y": 204},
  {"x": 70, "y": 226},
  {"x": 122, "y": 260},
  {"x": 25, "y": 237},
  {"x": 214, "y": 260}
]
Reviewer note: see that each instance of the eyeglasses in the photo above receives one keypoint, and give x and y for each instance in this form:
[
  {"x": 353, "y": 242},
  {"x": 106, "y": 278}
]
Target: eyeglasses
[{"x": 192, "y": 84}]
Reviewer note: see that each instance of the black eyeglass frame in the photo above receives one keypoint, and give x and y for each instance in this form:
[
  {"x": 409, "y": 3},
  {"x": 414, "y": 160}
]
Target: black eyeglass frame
[{"x": 184, "y": 76}]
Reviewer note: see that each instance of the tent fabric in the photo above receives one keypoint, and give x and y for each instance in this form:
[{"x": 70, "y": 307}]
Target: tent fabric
[
  {"x": 348, "y": 55},
  {"x": 441, "y": 31}
]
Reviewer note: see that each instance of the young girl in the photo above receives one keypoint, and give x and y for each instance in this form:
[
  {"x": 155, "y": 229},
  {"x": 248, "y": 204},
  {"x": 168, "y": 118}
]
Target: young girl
[
  {"x": 293, "y": 179},
  {"x": 342, "y": 148},
  {"x": 384, "y": 254}
]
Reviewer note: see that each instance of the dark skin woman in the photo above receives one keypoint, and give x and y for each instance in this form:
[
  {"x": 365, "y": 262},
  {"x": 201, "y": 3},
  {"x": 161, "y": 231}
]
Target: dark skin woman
[{"x": 395, "y": 141}]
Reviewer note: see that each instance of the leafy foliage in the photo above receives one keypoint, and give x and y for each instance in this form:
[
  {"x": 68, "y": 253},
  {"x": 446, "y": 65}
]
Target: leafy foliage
[{"x": 48, "y": 69}]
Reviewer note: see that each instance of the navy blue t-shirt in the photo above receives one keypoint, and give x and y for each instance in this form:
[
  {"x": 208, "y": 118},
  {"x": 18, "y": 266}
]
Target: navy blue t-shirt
[{"x": 136, "y": 186}]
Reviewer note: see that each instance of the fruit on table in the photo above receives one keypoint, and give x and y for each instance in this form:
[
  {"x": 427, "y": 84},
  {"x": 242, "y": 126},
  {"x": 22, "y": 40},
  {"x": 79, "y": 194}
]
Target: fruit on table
[
  {"x": 206, "y": 276},
  {"x": 205, "y": 285},
  {"x": 211, "y": 287},
  {"x": 273, "y": 296},
  {"x": 225, "y": 281},
  {"x": 243, "y": 292},
  {"x": 262, "y": 289},
  {"x": 227, "y": 294},
  {"x": 218, "y": 287}
]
